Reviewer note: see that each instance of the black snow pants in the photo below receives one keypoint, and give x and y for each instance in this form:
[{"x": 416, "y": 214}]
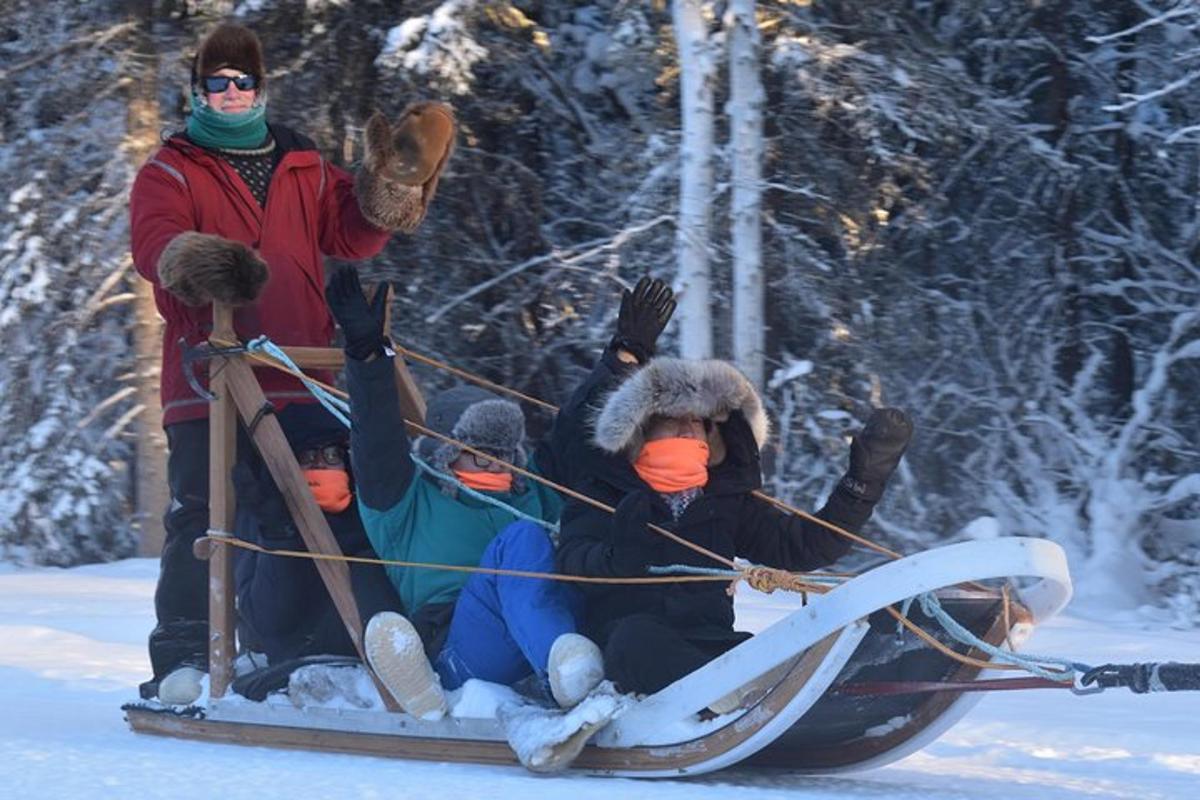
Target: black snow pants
[
  {"x": 180, "y": 637},
  {"x": 647, "y": 652}
]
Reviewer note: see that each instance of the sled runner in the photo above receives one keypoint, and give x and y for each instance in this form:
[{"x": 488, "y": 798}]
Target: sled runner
[{"x": 796, "y": 679}]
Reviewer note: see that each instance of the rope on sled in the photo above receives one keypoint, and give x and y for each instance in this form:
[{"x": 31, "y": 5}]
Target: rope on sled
[
  {"x": 315, "y": 385},
  {"x": 1067, "y": 671},
  {"x": 1139, "y": 678},
  {"x": 512, "y": 573},
  {"x": 765, "y": 579},
  {"x": 334, "y": 404}
]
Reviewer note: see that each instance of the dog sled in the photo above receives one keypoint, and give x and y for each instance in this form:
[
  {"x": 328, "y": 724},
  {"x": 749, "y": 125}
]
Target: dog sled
[{"x": 836, "y": 684}]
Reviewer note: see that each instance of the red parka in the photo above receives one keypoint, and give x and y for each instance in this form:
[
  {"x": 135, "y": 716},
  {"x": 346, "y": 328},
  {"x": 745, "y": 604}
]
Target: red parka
[{"x": 311, "y": 212}]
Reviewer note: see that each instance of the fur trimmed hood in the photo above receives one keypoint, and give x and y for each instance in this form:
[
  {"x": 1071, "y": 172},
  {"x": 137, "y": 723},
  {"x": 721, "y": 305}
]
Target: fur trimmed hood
[{"x": 674, "y": 387}]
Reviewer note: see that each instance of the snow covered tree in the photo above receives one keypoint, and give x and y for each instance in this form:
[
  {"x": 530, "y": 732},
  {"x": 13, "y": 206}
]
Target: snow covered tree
[
  {"x": 697, "y": 75},
  {"x": 746, "y": 98}
]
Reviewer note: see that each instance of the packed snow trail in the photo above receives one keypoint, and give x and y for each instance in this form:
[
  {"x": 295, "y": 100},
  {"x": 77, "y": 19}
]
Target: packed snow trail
[{"x": 72, "y": 649}]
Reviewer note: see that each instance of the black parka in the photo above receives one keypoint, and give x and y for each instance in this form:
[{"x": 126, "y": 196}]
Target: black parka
[{"x": 726, "y": 519}]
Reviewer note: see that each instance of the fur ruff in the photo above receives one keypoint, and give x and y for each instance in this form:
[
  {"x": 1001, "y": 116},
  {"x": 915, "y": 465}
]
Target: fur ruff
[
  {"x": 199, "y": 268},
  {"x": 232, "y": 46},
  {"x": 402, "y": 165},
  {"x": 673, "y": 387}
]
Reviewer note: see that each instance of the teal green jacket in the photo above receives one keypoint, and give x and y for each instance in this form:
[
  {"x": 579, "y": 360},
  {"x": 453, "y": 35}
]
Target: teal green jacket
[{"x": 407, "y": 513}]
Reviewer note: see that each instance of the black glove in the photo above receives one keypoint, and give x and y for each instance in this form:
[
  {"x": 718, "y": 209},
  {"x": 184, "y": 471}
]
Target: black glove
[
  {"x": 632, "y": 542},
  {"x": 875, "y": 452},
  {"x": 262, "y": 498},
  {"x": 362, "y": 323},
  {"x": 645, "y": 312}
]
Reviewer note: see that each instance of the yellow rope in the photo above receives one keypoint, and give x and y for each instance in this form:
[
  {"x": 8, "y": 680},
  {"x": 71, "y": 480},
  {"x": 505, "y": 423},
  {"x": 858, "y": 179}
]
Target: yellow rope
[{"x": 514, "y": 573}]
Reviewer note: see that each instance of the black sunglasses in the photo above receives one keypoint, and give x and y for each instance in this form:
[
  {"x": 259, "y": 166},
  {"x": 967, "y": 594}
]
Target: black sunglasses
[
  {"x": 215, "y": 84},
  {"x": 330, "y": 455}
]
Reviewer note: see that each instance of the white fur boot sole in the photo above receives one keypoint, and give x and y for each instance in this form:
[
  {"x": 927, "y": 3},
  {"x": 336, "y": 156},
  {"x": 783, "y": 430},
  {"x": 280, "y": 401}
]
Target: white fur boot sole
[
  {"x": 576, "y": 667},
  {"x": 181, "y": 687},
  {"x": 396, "y": 655}
]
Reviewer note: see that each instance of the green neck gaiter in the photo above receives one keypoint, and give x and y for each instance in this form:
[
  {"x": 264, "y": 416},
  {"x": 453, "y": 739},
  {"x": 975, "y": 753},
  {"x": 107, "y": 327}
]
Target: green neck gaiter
[{"x": 210, "y": 128}]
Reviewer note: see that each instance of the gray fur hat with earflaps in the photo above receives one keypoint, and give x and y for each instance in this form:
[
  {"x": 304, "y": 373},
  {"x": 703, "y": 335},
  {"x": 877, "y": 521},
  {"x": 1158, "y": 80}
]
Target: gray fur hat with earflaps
[
  {"x": 674, "y": 387},
  {"x": 475, "y": 417}
]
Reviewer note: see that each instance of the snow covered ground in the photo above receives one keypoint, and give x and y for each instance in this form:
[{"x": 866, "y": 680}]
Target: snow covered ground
[{"x": 72, "y": 649}]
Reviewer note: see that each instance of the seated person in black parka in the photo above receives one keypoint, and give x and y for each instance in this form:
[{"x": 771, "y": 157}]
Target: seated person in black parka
[{"x": 676, "y": 443}]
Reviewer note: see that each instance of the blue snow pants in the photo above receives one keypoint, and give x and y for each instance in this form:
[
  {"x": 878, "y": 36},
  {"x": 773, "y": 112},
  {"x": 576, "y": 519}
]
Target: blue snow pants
[{"x": 503, "y": 626}]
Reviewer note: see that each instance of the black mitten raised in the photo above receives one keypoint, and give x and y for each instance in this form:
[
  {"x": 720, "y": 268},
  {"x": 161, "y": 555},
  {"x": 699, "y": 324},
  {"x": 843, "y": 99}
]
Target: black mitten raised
[
  {"x": 360, "y": 321},
  {"x": 875, "y": 453},
  {"x": 644, "y": 314}
]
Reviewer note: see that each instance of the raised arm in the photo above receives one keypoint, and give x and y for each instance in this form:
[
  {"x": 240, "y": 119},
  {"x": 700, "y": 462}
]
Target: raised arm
[
  {"x": 644, "y": 314},
  {"x": 379, "y": 443},
  {"x": 780, "y": 539}
]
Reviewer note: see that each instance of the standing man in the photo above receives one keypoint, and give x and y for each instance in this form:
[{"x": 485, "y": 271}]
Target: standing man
[{"x": 243, "y": 211}]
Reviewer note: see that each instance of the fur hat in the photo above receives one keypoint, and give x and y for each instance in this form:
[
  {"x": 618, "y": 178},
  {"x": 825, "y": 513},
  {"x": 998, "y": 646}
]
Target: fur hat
[
  {"x": 230, "y": 46},
  {"x": 475, "y": 417},
  {"x": 673, "y": 387}
]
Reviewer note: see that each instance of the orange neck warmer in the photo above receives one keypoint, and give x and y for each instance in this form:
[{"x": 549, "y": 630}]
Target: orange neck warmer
[
  {"x": 672, "y": 465},
  {"x": 486, "y": 481},
  {"x": 331, "y": 487}
]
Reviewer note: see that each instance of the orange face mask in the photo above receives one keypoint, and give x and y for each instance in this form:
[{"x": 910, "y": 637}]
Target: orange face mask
[
  {"x": 486, "y": 481},
  {"x": 331, "y": 487},
  {"x": 674, "y": 464}
]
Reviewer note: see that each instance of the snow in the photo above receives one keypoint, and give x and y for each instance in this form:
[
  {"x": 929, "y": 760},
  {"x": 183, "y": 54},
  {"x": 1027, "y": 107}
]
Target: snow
[{"x": 72, "y": 649}]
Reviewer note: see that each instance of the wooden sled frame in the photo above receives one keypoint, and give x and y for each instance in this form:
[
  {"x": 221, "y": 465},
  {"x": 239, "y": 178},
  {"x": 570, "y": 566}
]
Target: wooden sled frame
[
  {"x": 783, "y": 672},
  {"x": 237, "y": 394}
]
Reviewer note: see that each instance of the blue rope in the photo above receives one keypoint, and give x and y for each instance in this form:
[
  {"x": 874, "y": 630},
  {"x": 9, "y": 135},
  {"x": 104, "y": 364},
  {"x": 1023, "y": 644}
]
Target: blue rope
[
  {"x": 684, "y": 569},
  {"x": 480, "y": 496},
  {"x": 335, "y": 405},
  {"x": 903, "y": 613},
  {"x": 1028, "y": 662}
]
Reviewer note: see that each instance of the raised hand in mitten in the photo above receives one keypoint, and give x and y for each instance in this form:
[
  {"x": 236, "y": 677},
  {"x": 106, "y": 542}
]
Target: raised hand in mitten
[
  {"x": 632, "y": 541},
  {"x": 875, "y": 453},
  {"x": 644, "y": 314},
  {"x": 403, "y": 163},
  {"x": 361, "y": 322},
  {"x": 261, "y": 497},
  {"x": 199, "y": 268}
]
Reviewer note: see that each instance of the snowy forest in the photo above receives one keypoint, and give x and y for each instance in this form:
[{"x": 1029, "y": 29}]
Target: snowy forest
[{"x": 986, "y": 212}]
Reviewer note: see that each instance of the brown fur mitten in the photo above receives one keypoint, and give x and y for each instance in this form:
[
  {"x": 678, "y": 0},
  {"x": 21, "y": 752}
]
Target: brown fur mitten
[
  {"x": 403, "y": 163},
  {"x": 199, "y": 268}
]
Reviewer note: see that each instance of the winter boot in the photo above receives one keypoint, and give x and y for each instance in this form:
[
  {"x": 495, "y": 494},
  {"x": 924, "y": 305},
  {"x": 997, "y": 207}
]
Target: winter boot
[
  {"x": 395, "y": 652},
  {"x": 181, "y": 687},
  {"x": 576, "y": 667}
]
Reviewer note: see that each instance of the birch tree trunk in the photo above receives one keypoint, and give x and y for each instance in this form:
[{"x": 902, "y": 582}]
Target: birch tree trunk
[
  {"x": 746, "y": 134},
  {"x": 697, "y": 77},
  {"x": 150, "y": 482}
]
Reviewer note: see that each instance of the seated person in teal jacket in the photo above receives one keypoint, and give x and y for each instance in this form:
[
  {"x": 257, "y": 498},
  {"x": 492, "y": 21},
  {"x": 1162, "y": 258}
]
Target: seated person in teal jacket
[{"x": 441, "y": 508}]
